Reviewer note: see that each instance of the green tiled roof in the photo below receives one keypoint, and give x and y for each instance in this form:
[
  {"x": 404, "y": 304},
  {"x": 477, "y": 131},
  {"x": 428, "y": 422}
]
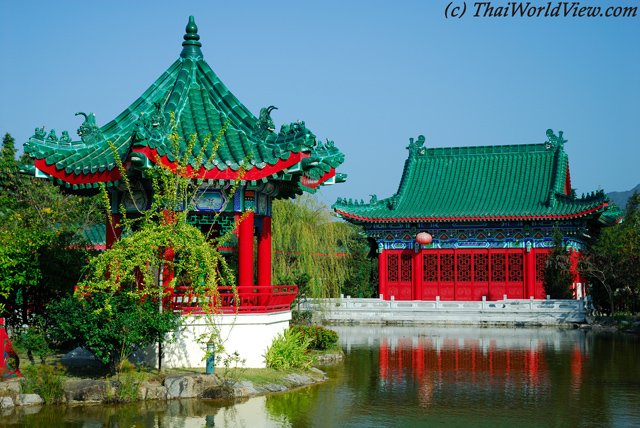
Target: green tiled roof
[
  {"x": 189, "y": 99},
  {"x": 481, "y": 183}
]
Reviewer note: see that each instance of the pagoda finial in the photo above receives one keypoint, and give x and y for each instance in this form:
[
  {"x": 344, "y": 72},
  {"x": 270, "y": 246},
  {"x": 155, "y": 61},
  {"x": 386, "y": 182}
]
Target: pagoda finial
[{"x": 191, "y": 43}]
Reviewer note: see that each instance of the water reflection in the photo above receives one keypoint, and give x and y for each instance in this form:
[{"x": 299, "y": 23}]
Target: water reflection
[{"x": 406, "y": 377}]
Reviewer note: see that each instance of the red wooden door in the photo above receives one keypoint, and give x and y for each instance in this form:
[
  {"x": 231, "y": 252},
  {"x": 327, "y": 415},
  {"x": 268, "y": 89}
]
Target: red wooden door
[
  {"x": 464, "y": 275},
  {"x": 480, "y": 274},
  {"x": 430, "y": 275},
  {"x": 541, "y": 260},
  {"x": 497, "y": 275},
  {"x": 515, "y": 274},
  {"x": 399, "y": 274},
  {"x": 447, "y": 275}
]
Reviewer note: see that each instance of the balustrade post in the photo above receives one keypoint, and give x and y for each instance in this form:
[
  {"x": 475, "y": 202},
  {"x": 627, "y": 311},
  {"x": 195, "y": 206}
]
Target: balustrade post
[
  {"x": 264, "y": 253},
  {"x": 245, "y": 251}
]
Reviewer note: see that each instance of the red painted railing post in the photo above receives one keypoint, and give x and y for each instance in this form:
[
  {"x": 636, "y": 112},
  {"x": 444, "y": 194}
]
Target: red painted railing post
[
  {"x": 245, "y": 251},
  {"x": 264, "y": 252},
  {"x": 530, "y": 262},
  {"x": 382, "y": 274}
]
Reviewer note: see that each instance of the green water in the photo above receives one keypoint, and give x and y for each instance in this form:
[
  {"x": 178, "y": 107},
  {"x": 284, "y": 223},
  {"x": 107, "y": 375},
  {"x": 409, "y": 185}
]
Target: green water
[{"x": 419, "y": 377}]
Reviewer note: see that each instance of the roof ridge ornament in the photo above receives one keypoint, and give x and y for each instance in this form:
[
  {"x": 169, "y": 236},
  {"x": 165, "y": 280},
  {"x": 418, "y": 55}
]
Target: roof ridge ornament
[
  {"x": 554, "y": 141},
  {"x": 417, "y": 147},
  {"x": 191, "y": 44}
]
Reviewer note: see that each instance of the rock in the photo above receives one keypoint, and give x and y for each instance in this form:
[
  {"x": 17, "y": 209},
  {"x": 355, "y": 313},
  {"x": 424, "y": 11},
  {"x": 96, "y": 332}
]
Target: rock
[
  {"x": 244, "y": 384},
  {"x": 80, "y": 357},
  {"x": 585, "y": 327},
  {"x": 152, "y": 391},
  {"x": 623, "y": 322},
  {"x": 11, "y": 388},
  {"x": 84, "y": 391},
  {"x": 29, "y": 400},
  {"x": 6, "y": 403},
  {"x": 636, "y": 324},
  {"x": 274, "y": 387},
  {"x": 247, "y": 388},
  {"x": 218, "y": 392},
  {"x": 190, "y": 385},
  {"x": 297, "y": 379}
]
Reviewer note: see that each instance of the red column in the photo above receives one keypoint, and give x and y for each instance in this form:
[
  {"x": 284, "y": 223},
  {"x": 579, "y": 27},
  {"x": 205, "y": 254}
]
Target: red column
[
  {"x": 382, "y": 274},
  {"x": 113, "y": 229},
  {"x": 574, "y": 257},
  {"x": 264, "y": 252},
  {"x": 415, "y": 275},
  {"x": 245, "y": 250},
  {"x": 530, "y": 269}
]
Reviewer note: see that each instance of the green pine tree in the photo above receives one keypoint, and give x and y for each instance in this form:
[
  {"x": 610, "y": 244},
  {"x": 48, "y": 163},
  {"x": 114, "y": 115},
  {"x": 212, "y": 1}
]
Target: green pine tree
[{"x": 8, "y": 164}]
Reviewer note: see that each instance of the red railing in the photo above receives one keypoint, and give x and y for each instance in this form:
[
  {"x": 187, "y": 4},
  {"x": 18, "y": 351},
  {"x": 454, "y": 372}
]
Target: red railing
[{"x": 250, "y": 299}]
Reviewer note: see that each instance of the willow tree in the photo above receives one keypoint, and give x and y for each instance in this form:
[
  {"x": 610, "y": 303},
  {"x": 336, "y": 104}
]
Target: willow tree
[{"x": 307, "y": 239}]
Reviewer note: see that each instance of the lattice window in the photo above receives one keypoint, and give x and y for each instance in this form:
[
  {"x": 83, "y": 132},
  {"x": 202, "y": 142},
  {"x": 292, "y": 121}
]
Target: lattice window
[
  {"x": 515, "y": 268},
  {"x": 392, "y": 268},
  {"x": 464, "y": 267},
  {"x": 497, "y": 267},
  {"x": 405, "y": 267},
  {"x": 446, "y": 267},
  {"x": 541, "y": 260},
  {"x": 430, "y": 267},
  {"x": 481, "y": 267}
]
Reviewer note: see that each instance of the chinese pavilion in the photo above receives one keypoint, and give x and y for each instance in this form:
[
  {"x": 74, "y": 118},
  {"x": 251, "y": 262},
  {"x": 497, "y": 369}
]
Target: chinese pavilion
[
  {"x": 486, "y": 215},
  {"x": 188, "y": 98}
]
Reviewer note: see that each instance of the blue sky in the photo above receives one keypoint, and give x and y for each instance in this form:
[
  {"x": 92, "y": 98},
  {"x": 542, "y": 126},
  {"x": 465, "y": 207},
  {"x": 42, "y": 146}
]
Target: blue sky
[{"x": 367, "y": 74}]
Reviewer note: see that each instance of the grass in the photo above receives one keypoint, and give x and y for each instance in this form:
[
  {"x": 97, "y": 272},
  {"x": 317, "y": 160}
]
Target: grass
[{"x": 259, "y": 377}]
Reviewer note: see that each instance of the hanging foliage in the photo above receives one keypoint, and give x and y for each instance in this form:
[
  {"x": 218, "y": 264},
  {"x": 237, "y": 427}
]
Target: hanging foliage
[
  {"x": 159, "y": 250},
  {"x": 309, "y": 240}
]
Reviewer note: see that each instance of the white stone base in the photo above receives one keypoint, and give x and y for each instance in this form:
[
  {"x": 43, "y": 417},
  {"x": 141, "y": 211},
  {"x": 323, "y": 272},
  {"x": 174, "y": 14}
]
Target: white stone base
[
  {"x": 248, "y": 334},
  {"x": 501, "y": 312}
]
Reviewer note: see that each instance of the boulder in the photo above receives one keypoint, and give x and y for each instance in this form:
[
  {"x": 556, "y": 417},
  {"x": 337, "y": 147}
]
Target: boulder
[
  {"x": 80, "y": 357},
  {"x": 6, "y": 403},
  {"x": 29, "y": 400},
  {"x": 274, "y": 387},
  {"x": 297, "y": 379},
  {"x": 152, "y": 391},
  {"x": 190, "y": 385},
  {"x": 11, "y": 388},
  {"x": 218, "y": 392},
  {"x": 85, "y": 391},
  {"x": 246, "y": 389}
]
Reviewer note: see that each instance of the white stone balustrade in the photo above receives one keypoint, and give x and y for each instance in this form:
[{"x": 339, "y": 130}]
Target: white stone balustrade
[{"x": 505, "y": 312}]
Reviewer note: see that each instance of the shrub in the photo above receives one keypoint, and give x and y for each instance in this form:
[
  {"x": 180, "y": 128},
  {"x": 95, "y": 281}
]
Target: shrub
[
  {"x": 33, "y": 341},
  {"x": 128, "y": 381},
  {"x": 320, "y": 337},
  {"x": 46, "y": 381},
  {"x": 288, "y": 351},
  {"x": 111, "y": 335}
]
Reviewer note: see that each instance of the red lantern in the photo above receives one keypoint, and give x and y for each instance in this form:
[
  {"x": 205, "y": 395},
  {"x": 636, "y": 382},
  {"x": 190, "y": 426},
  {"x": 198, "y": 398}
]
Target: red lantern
[{"x": 423, "y": 238}]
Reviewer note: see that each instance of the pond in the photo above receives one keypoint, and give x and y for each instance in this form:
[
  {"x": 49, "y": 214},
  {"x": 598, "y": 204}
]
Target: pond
[{"x": 419, "y": 377}]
